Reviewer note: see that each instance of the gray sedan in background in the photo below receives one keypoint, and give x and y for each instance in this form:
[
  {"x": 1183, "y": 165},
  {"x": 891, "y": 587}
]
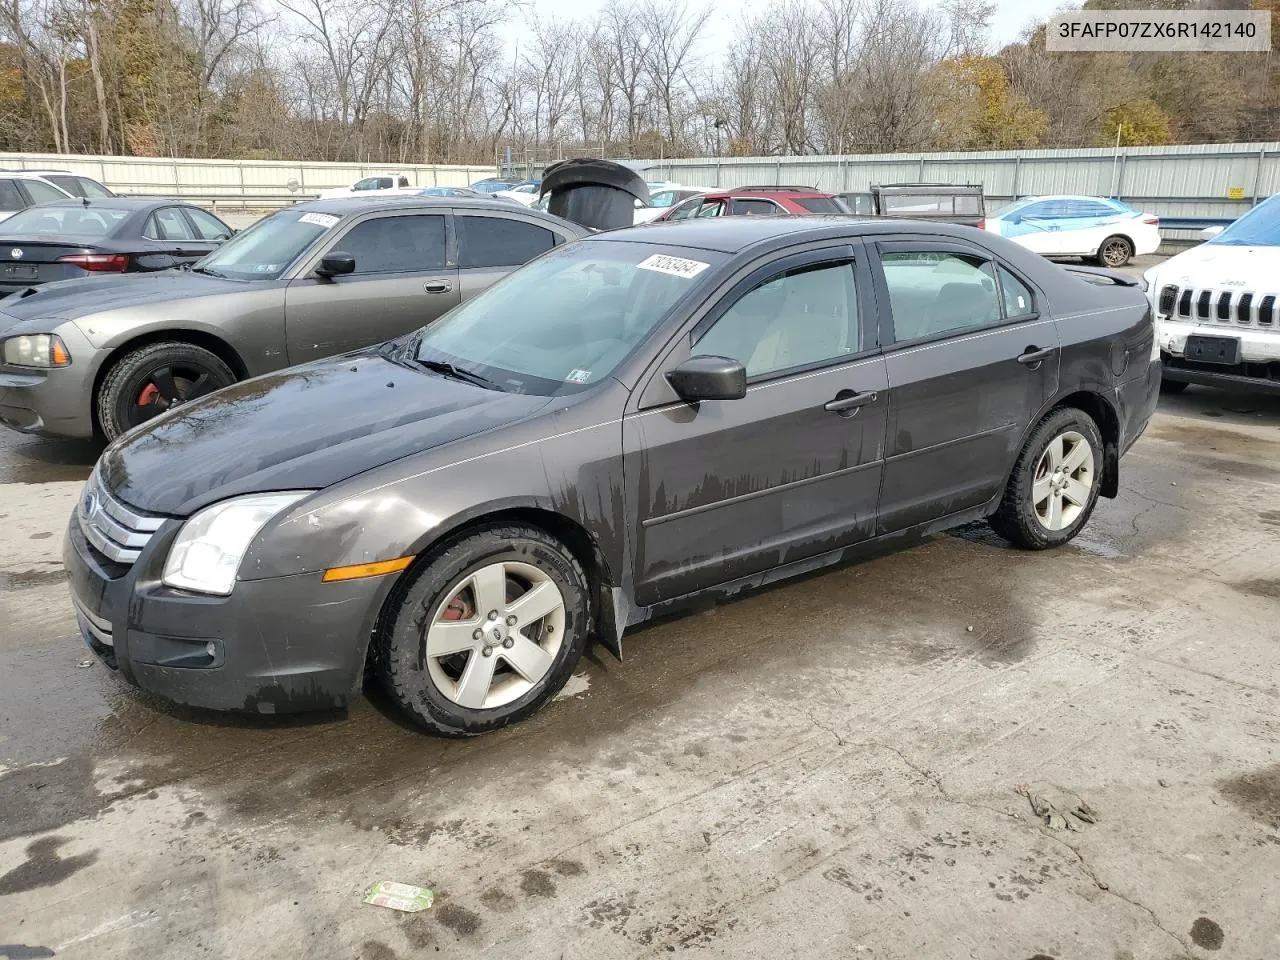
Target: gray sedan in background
[{"x": 101, "y": 355}]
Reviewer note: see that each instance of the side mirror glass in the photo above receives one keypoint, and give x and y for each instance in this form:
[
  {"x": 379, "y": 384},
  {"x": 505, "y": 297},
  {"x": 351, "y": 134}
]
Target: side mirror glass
[
  {"x": 709, "y": 378},
  {"x": 335, "y": 264}
]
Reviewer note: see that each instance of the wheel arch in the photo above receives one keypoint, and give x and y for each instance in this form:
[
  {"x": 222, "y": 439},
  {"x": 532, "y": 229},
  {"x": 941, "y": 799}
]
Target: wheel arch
[
  {"x": 196, "y": 338},
  {"x": 1104, "y": 414},
  {"x": 1133, "y": 245},
  {"x": 601, "y": 579}
]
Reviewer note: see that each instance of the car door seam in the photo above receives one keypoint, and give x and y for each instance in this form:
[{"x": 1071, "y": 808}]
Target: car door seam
[{"x": 755, "y": 494}]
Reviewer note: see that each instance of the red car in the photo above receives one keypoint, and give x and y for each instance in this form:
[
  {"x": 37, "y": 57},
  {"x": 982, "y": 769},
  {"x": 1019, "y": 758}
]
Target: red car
[{"x": 755, "y": 202}]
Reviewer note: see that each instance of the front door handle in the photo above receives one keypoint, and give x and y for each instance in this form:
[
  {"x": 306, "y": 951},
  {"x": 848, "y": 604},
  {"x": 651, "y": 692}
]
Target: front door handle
[
  {"x": 438, "y": 286},
  {"x": 847, "y": 402},
  {"x": 1034, "y": 356}
]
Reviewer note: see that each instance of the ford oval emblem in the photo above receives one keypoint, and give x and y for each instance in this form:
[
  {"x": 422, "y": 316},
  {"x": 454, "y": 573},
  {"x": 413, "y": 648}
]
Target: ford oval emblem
[
  {"x": 16, "y": 253},
  {"x": 88, "y": 504}
]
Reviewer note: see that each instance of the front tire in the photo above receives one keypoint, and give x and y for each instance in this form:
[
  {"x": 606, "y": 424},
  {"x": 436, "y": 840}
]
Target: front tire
[
  {"x": 485, "y": 632},
  {"x": 1055, "y": 483},
  {"x": 152, "y": 379},
  {"x": 1115, "y": 252}
]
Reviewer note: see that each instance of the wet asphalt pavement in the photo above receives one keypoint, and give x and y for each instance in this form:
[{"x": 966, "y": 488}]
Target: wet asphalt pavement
[{"x": 842, "y": 766}]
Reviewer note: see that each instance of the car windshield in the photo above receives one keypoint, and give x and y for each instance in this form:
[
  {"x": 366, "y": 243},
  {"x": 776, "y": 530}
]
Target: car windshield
[
  {"x": 1260, "y": 227},
  {"x": 566, "y": 320},
  {"x": 79, "y": 221},
  {"x": 265, "y": 250}
]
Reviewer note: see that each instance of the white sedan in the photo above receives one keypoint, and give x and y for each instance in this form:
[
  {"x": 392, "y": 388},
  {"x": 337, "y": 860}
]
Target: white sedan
[
  {"x": 1099, "y": 228},
  {"x": 525, "y": 193},
  {"x": 662, "y": 197}
]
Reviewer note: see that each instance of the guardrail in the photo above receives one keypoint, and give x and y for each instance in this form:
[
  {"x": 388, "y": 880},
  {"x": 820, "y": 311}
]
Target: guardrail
[{"x": 224, "y": 201}]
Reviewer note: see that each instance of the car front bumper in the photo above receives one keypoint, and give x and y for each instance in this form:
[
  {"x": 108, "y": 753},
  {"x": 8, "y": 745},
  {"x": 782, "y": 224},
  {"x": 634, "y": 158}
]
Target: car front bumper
[
  {"x": 279, "y": 645},
  {"x": 56, "y": 402},
  {"x": 1259, "y": 368}
]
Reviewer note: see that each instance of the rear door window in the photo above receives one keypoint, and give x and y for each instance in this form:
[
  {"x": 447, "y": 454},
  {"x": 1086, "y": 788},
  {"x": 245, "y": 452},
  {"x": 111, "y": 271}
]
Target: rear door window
[
  {"x": 936, "y": 292},
  {"x": 687, "y": 209},
  {"x": 41, "y": 192},
  {"x": 499, "y": 242},
  {"x": 396, "y": 244},
  {"x": 754, "y": 208}
]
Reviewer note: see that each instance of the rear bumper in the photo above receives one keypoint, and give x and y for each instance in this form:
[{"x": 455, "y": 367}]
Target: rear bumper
[
  {"x": 1137, "y": 400},
  {"x": 281, "y": 645}
]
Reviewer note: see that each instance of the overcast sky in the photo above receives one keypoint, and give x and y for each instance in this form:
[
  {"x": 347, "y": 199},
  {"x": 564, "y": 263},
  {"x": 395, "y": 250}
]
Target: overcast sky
[{"x": 1011, "y": 15}]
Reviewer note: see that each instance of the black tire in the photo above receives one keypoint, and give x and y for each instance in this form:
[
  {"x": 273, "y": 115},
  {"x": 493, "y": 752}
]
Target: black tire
[
  {"x": 165, "y": 374},
  {"x": 1016, "y": 519},
  {"x": 400, "y": 644},
  {"x": 1172, "y": 386},
  {"x": 1115, "y": 251}
]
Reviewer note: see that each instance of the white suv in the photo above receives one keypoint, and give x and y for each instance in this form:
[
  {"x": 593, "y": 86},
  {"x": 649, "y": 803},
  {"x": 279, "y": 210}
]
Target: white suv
[
  {"x": 1217, "y": 307},
  {"x": 19, "y": 190}
]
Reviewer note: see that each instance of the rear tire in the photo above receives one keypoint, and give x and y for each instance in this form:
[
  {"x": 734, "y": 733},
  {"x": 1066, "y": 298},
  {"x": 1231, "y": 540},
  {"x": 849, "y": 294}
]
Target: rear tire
[
  {"x": 153, "y": 379},
  {"x": 1115, "y": 252},
  {"x": 1055, "y": 482},
  {"x": 485, "y": 632}
]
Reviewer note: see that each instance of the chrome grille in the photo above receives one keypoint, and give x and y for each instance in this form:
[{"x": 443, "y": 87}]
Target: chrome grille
[
  {"x": 114, "y": 530},
  {"x": 1215, "y": 307},
  {"x": 92, "y": 624}
]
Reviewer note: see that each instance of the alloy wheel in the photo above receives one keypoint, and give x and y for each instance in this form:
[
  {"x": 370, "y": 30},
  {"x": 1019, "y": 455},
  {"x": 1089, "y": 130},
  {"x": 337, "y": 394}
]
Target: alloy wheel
[
  {"x": 496, "y": 635},
  {"x": 1064, "y": 481}
]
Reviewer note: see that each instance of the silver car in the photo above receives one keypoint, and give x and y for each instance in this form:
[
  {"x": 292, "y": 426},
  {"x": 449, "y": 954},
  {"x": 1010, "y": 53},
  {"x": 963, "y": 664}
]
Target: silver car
[{"x": 99, "y": 356}]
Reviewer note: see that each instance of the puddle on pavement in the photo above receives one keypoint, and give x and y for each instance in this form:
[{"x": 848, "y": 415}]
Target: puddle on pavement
[
  {"x": 1257, "y": 793},
  {"x": 911, "y": 608}
]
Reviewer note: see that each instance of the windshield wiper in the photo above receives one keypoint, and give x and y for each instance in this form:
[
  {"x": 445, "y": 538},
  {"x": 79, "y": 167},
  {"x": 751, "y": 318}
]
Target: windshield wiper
[
  {"x": 208, "y": 272},
  {"x": 456, "y": 373}
]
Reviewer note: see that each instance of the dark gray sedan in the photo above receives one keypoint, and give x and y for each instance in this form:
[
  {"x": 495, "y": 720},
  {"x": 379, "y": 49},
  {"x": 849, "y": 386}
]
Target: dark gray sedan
[
  {"x": 80, "y": 238},
  {"x": 101, "y": 355},
  {"x": 630, "y": 421}
]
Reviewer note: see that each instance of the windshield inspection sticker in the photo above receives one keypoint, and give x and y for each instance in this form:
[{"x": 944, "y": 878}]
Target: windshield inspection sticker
[
  {"x": 325, "y": 220},
  {"x": 578, "y": 376},
  {"x": 676, "y": 266}
]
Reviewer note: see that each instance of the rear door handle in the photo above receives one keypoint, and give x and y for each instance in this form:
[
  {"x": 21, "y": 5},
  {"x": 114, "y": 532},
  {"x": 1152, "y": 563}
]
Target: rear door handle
[
  {"x": 1034, "y": 356},
  {"x": 438, "y": 286},
  {"x": 848, "y": 402}
]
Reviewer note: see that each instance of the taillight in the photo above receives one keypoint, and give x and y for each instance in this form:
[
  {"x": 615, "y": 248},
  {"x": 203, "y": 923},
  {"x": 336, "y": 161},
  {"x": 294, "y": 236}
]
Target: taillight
[
  {"x": 98, "y": 262},
  {"x": 1153, "y": 221},
  {"x": 982, "y": 224}
]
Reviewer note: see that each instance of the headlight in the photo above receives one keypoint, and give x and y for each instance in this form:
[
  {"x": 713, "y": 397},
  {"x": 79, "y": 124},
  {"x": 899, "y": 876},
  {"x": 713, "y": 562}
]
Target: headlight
[
  {"x": 36, "y": 350},
  {"x": 207, "y": 553}
]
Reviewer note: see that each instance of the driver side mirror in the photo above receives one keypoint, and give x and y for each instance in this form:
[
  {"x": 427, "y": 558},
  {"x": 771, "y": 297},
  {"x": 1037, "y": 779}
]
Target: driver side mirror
[
  {"x": 335, "y": 264},
  {"x": 709, "y": 378}
]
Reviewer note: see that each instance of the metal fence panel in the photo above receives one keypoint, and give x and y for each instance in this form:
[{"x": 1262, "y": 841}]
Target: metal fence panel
[{"x": 1208, "y": 180}]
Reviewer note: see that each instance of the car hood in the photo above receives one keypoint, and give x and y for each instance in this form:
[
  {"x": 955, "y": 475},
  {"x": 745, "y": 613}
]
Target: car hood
[
  {"x": 304, "y": 428},
  {"x": 1221, "y": 265},
  {"x": 72, "y": 299}
]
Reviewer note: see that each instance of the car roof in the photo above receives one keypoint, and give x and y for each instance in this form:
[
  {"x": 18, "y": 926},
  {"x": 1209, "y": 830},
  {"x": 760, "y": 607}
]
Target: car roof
[
  {"x": 734, "y": 234},
  {"x": 119, "y": 203},
  {"x": 1067, "y": 196},
  {"x": 349, "y": 206},
  {"x": 795, "y": 193}
]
